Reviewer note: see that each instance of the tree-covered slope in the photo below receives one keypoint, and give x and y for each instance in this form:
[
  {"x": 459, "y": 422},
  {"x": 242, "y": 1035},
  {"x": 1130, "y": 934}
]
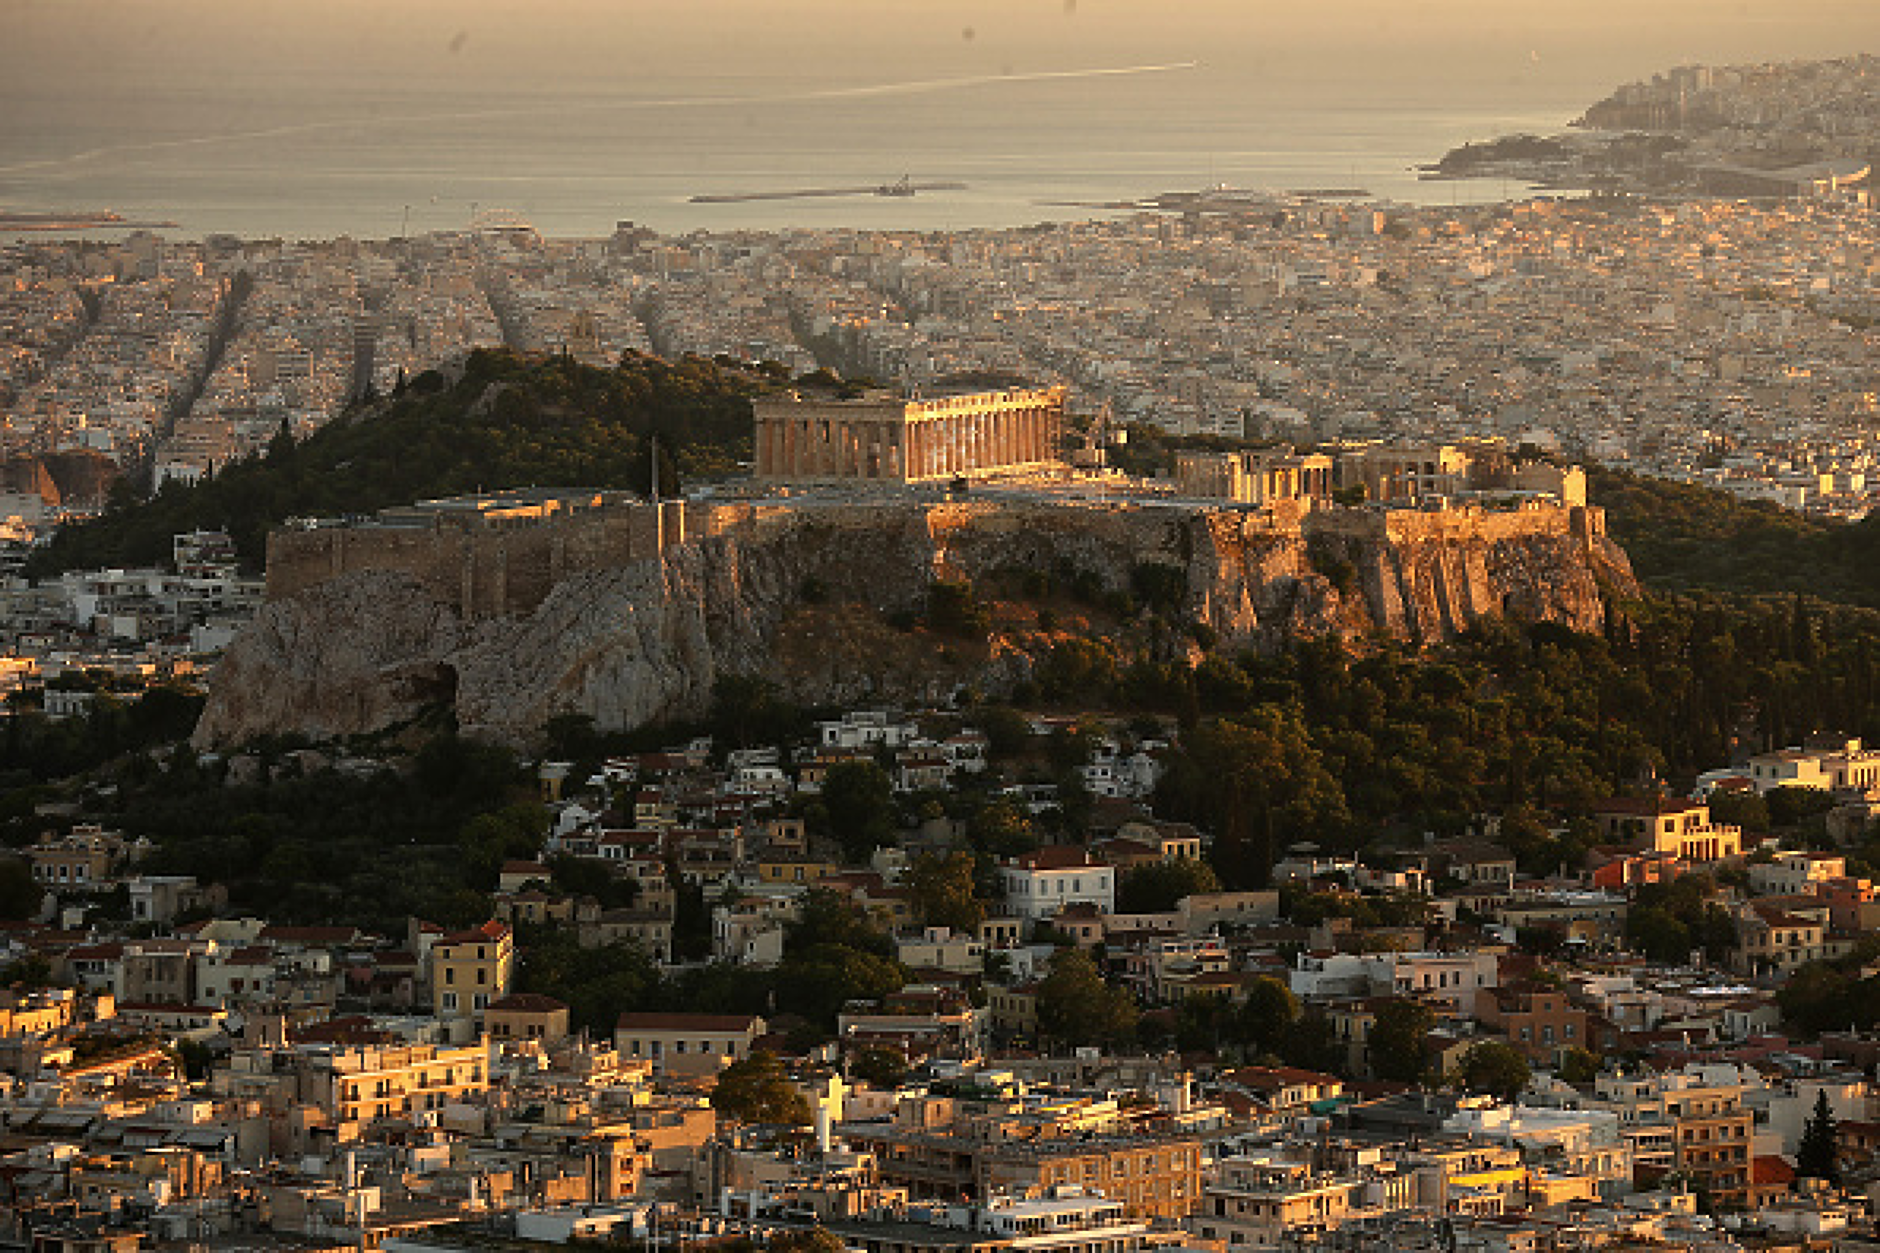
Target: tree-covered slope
[
  {"x": 1681, "y": 536},
  {"x": 506, "y": 422}
]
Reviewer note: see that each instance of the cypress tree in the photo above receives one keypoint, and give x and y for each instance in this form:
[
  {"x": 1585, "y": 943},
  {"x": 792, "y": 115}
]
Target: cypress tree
[{"x": 1815, "y": 1156}]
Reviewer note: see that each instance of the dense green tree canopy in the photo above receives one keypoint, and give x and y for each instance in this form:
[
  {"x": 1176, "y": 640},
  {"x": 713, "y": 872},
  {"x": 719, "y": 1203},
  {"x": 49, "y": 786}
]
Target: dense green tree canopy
[
  {"x": 1158, "y": 886},
  {"x": 507, "y": 422},
  {"x": 858, "y": 799},
  {"x": 1682, "y": 536},
  {"x": 755, "y": 1089},
  {"x": 942, "y": 886},
  {"x": 1495, "y": 1068},
  {"x": 1397, "y": 1041},
  {"x": 1076, "y": 1005}
]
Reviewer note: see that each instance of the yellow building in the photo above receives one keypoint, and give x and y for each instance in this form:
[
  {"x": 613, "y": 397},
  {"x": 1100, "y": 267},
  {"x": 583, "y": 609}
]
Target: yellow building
[
  {"x": 1681, "y": 829},
  {"x": 527, "y": 1016},
  {"x": 687, "y": 1044},
  {"x": 469, "y": 970},
  {"x": 375, "y": 1082},
  {"x": 794, "y": 867}
]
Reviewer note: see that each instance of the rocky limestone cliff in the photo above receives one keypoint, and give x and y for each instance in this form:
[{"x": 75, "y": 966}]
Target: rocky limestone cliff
[{"x": 801, "y": 596}]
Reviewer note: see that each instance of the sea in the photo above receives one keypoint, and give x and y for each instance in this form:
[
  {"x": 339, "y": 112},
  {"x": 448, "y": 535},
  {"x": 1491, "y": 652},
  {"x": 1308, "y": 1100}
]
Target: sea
[{"x": 373, "y": 160}]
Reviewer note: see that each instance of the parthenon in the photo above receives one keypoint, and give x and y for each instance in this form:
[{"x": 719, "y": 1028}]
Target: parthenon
[{"x": 887, "y": 438}]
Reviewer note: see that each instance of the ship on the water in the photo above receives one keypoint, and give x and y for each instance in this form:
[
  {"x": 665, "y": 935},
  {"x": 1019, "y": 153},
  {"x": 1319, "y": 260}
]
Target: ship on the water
[
  {"x": 83, "y": 220},
  {"x": 904, "y": 186}
]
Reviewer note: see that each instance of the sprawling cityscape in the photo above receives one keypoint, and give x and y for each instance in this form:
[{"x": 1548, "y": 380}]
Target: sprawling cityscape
[{"x": 1130, "y": 733}]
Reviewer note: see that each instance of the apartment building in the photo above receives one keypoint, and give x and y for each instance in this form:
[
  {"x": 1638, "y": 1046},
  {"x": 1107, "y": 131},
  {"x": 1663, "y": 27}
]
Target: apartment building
[
  {"x": 687, "y": 1044},
  {"x": 1680, "y": 828},
  {"x": 469, "y": 970},
  {"x": 373, "y": 1083},
  {"x": 1038, "y": 885}
]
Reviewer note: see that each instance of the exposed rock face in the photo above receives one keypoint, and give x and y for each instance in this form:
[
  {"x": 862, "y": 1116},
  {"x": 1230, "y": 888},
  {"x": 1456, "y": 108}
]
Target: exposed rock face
[{"x": 629, "y": 622}]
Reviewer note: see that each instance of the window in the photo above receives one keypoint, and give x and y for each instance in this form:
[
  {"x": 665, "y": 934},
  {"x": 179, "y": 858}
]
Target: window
[{"x": 449, "y": 1000}]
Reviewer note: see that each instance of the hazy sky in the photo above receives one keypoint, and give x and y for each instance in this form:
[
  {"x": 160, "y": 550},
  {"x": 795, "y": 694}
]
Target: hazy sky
[{"x": 52, "y": 45}]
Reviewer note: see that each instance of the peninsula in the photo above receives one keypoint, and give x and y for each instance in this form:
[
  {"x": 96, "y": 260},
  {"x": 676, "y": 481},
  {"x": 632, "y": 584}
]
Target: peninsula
[{"x": 1787, "y": 130}]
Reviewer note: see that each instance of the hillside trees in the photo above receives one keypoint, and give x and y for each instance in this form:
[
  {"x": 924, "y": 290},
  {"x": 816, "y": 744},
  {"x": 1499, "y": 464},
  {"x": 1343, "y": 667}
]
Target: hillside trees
[
  {"x": 1397, "y": 1041},
  {"x": 1076, "y": 1005},
  {"x": 1158, "y": 886},
  {"x": 755, "y": 1089},
  {"x": 1494, "y": 1067},
  {"x": 507, "y": 422},
  {"x": 942, "y": 888}
]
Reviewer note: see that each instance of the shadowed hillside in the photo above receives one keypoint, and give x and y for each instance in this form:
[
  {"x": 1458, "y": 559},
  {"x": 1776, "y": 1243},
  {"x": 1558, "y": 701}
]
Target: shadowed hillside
[
  {"x": 506, "y": 422},
  {"x": 1684, "y": 537}
]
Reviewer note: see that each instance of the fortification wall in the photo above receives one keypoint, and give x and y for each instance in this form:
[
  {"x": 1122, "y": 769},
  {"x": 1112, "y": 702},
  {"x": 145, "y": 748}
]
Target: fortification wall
[
  {"x": 1461, "y": 524},
  {"x": 492, "y": 568},
  {"x": 481, "y": 567},
  {"x": 514, "y": 622}
]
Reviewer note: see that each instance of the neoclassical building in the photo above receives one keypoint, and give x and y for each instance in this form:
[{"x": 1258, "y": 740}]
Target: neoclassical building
[{"x": 887, "y": 438}]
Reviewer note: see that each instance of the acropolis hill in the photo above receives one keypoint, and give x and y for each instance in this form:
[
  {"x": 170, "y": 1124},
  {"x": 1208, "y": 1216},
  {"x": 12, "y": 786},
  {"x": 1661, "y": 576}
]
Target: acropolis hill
[{"x": 516, "y": 607}]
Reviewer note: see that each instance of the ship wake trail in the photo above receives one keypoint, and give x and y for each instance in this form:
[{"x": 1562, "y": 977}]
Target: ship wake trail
[{"x": 52, "y": 166}]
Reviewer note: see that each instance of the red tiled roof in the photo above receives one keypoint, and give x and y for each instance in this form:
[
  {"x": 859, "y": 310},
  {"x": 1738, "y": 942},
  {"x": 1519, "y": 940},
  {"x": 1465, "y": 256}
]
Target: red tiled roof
[
  {"x": 489, "y": 933},
  {"x": 1770, "y": 1170}
]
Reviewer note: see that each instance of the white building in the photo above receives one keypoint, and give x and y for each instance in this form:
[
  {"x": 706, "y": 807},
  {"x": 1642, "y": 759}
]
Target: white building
[
  {"x": 1795, "y": 873},
  {"x": 1454, "y": 975},
  {"x": 1038, "y": 885},
  {"x": 867, "y": 728},
  {"x": 1849, "y": 764},
  {"x": 941, "y": 948}
]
